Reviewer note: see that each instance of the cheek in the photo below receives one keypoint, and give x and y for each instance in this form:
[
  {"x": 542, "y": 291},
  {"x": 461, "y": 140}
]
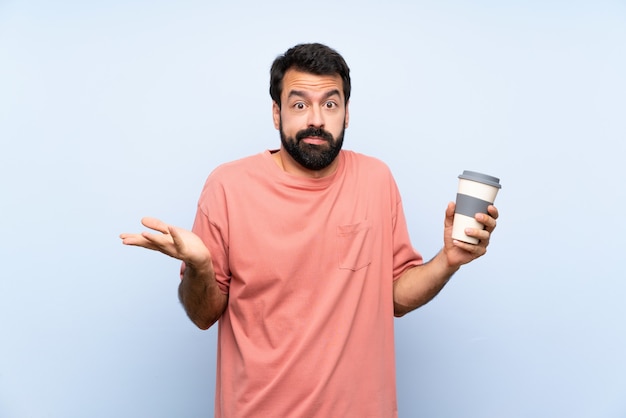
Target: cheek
[
  {"x": 337, "y": 126},
  {"x": 291, "y": 124}
]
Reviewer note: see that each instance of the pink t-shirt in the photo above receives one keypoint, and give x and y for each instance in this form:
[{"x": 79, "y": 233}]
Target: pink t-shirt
[{"x": 308, "y": 265}]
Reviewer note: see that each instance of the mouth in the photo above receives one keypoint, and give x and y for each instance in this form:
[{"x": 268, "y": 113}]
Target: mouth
[
  {"x": 314, "y": 140},
  {"x": 314, "y": 136}
]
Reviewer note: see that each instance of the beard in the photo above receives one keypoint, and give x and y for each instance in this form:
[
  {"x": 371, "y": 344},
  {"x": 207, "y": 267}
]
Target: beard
[{"x": 312, "y": 156}]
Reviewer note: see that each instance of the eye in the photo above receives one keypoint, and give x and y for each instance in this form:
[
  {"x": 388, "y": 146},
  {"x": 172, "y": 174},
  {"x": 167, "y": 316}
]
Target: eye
[
  {"x": 330, "y": 104},
  {"x": 299, "y": 105}
]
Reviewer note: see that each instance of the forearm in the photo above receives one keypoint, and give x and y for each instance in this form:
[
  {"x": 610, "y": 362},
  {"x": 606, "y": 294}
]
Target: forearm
[
  {"x": 420, "y": 284},
  {"x": 201, "y": 297}
]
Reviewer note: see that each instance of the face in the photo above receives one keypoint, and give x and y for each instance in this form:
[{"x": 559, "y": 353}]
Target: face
[{"x": 312, "y": 119}]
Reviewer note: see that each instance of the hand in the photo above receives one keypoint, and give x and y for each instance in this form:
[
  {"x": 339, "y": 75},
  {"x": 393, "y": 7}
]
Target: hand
[
  {"x": 458, "y": 252},
  {"x": 175, "y": 242}
]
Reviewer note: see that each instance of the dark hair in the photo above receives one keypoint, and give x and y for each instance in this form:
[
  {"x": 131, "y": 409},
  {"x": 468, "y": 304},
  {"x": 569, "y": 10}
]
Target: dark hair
[{"x": 312, "y": 58}]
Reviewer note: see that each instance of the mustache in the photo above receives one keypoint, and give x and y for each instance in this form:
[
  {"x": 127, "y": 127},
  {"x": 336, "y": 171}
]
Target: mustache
[{"x": 317, "y": 132}]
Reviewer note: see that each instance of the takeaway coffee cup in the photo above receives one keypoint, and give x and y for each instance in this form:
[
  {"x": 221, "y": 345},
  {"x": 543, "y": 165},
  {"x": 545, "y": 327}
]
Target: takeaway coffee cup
[{"x": 476, "y": 192}]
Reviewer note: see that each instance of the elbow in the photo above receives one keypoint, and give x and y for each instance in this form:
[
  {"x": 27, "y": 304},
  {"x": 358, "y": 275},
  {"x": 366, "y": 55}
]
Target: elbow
[
  {"x": 399, "y": 311},
  {"x": 203, "y": 312},
  {"x": 203, "y": 323},
  {"x": 401, "y": 305}
]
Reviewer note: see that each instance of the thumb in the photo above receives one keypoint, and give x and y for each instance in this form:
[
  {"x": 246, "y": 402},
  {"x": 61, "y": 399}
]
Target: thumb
[
  {"x": 449, "y": 214},
  {"x": 450, "y": 209},
  {"x": 176, "y": 238}
]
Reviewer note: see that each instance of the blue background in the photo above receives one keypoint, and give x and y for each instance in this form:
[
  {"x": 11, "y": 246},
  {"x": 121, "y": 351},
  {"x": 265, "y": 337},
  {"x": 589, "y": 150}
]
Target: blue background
[{"x": 111, "y": 111}]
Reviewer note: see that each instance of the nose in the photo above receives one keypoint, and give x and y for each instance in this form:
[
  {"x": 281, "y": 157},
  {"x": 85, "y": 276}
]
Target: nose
[{"x": 315, "y": 117}]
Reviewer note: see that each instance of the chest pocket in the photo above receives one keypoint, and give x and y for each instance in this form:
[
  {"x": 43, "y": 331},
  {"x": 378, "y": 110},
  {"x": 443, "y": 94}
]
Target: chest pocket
[{"x": 354, "y": 249}]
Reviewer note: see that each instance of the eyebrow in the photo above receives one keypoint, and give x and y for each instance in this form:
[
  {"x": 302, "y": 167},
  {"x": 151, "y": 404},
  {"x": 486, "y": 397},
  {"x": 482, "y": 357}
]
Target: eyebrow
[{"x": 302, "y": 94}]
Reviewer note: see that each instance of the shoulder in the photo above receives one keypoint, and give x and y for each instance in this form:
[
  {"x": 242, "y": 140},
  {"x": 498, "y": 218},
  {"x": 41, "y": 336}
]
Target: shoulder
[
  {"x": 371, "y": 175},
  {"x": 362, "y": 163},
  {"x": 230, "y": 177},
  {"x": 236, "y": 168},
  {"x": 239, "y": 173}
]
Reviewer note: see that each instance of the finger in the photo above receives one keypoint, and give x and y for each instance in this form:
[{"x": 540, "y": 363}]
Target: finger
[
  {"x": 488, "y": 221},
  {"x": 137, "y": 240},
  {"x": 128, "y": 238},
  {"x": 475, "y": 249},
  {"x": 450, "y": 209},
  {"x": 493, "y": 211},
  {"x": 482, "y": 235},
  {"x": 160, "y": 240},
  {"x": 176, "y": 238},
  {"x": 449, "y": 214},
  {"x": 155, "y": 224}
]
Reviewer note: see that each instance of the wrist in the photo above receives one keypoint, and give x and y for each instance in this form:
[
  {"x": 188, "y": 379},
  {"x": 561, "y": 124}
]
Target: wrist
[
  {"x": 200, "y": 266},
  {"x": 446, "y": 265}
]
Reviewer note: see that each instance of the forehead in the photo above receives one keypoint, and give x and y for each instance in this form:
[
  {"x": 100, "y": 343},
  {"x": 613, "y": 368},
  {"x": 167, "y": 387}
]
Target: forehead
[{"x": 295, "y": 80}]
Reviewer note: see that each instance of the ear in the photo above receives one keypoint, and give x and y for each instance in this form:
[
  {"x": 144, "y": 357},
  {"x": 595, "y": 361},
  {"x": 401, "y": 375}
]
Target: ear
[
  {"x": 347, "y": 114},
  {"x": 276, "y": 115}
]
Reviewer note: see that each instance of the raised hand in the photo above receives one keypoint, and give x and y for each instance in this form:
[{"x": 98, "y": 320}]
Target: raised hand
[
  {"x": 459, "y": 253},
  {"x": 173, "y": 241}
]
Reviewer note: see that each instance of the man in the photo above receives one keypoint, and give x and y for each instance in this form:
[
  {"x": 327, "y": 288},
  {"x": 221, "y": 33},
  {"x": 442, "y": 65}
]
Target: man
[{"x": 303, "y": 255}]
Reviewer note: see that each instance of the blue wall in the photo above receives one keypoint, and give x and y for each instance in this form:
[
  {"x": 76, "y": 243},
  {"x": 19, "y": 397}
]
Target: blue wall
[{"x": 110, "y": 111}]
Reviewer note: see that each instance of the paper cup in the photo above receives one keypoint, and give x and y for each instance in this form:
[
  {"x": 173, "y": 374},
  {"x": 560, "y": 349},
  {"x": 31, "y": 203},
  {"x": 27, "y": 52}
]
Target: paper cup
[{"x": 476, "y": 192}]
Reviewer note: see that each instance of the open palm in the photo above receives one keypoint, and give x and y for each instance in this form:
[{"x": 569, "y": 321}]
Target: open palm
[{"x": 173, "y": 241}]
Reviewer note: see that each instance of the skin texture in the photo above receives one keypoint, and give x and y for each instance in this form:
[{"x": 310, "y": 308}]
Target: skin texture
[
  {"x": 418, "y": 285},
  {"x": 198, "y": 290},
  {"x": 308, "y": 101}
]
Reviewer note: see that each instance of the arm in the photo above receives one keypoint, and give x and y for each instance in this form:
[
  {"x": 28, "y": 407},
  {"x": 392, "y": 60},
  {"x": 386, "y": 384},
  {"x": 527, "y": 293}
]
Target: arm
[
  {"x": 202, "y": 298},
  {"x": 419, "y": 284},
  {"x": 198, "y": 291}
]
